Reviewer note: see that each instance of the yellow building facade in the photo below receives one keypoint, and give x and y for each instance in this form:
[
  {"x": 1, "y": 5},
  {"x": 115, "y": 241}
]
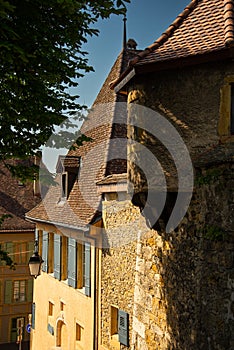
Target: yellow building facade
[
  {"x": 16, "y": 288},
  {"x": 64, "y": 311}
]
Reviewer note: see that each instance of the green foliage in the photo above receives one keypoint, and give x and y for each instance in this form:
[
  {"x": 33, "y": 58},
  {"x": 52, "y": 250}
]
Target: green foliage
[
  {"x": 4, "y": 255},
  {"x": 214, "y": 233},
  {"x": 42, "y": 59},
  {"x": 210, "y": 177},
  {"x": 4, "y": 217}
]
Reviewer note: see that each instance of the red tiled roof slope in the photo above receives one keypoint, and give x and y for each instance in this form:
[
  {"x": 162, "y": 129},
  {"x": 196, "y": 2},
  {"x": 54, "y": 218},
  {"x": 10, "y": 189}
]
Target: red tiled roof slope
[
  {"x": 203, "y": 27},
  {"x": 105, "y": 124},
  {"x": 16, "y": 200}
]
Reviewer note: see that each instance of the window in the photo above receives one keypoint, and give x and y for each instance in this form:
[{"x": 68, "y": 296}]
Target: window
[
  {"x": 64, "y": 185},
  {"x": 51, "y": 309},
  {"x": 18, "y": 291},
  {"x": 62, "y": 306},
  {"x": 79, "y": 332},
  {"x": 226, "y": 121},
  {"x": 79, "y": 260},
  {"x": 114, "y": 322},
  {"x": 17, "y": 328},
  {"x": 20, "y": 249},
  {"x": 119, "y": 327}
]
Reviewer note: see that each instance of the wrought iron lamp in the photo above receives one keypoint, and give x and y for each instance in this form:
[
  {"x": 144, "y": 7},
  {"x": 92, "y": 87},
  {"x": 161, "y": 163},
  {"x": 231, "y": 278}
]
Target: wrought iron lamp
[{"x": 35, "y": 262}]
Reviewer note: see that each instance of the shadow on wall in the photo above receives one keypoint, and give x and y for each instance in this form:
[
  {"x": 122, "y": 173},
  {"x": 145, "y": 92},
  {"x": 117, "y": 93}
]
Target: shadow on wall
[{"x": 197, "y": 273}]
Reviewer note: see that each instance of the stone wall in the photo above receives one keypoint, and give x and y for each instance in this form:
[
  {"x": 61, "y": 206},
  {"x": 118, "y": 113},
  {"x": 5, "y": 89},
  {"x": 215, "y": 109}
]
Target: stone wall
[{"x": 178, "y": 288}]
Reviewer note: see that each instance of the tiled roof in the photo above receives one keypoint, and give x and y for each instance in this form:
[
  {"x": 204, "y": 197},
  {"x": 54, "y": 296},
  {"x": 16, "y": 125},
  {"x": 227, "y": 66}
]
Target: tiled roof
[
  {"x": 104, "y": 155},
  {"x": 66, "y": 162},
  {"x": 204, "y": 27},
  {"x": 15, "y": 199},
  {"x": 113, "y": 179}
]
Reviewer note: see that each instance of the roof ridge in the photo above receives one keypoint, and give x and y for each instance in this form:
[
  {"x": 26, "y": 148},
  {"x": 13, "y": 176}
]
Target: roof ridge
[
  {"x": 161, "y": 40},
  {"x": 229, "y": 22}
]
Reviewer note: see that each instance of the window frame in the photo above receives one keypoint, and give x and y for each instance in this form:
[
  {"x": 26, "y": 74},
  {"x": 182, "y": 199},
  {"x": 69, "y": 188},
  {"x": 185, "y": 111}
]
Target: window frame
[
  {"x": 226, "y": 112},
  {"x": 64, "y": 185}
]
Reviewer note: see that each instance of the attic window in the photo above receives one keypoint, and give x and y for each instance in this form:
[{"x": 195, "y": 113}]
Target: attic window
[
  {"x": 64, "y": 185},
  {"x": 68, "y": 167}
]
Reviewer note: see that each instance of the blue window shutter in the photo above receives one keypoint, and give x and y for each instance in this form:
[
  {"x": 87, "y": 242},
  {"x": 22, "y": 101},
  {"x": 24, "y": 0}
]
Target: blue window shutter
[
  {"x": 87, "y": 248},
  {"x": 57, "y": 256},
  {"x": 72, "y": 262},
  {"x": 45, "y": 241},
  {"x": 33, "y": 315},
  {"x": 8, "y": 292},
  {"x": 123, "y": 327}
]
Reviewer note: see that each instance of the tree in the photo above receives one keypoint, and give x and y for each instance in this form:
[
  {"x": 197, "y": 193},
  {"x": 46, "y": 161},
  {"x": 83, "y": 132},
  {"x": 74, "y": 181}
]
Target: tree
[
  {"x": 3, "y": 254},
  {"x": 41, "y": 58}
]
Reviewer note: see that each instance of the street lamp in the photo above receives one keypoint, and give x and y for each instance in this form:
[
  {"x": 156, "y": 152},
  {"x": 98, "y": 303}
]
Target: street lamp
[{"x": 35, "y": 262}]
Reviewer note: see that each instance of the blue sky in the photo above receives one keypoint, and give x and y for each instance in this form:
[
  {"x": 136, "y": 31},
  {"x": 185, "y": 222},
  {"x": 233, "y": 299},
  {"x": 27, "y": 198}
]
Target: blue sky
[{"x": 146, "y": 21}]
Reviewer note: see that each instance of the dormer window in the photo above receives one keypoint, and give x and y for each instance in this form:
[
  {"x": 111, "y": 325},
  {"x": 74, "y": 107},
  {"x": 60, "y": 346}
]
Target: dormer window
[
  {"x": 64, "y": 186},
  {"x": 68, "y": 167}
]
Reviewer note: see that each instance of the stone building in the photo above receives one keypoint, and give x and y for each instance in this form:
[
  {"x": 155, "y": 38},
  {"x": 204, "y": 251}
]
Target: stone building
[
  {"x": 16, "y": 238},
  {"x": 66, "y": 312},
  {"x": 169, "y": 284}
]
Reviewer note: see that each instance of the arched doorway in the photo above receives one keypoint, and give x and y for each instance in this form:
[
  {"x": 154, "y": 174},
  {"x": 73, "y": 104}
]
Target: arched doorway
[{"x": 60, "y": 332}]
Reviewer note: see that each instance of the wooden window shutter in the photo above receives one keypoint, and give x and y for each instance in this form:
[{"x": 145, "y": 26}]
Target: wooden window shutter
[
  {"x": 225, "y": 110},
  {"x": 72, "y": 262},
  {"x": 45, "y": 244},
  {"x": 8, "y": 292},
  {"x": 30, "y": 250},
  {"x": 123, "y": 327},
  {"x": 57, "y": 256},
  {"x": 87, "y": 269},
  {"x": 33, "y": 315},
  {"x": 30, "y": 290}
]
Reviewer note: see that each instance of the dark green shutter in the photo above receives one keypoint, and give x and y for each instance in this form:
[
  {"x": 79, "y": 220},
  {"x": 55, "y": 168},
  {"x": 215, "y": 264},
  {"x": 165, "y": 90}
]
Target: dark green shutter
[
  {"x": 72, "y": 262},
  {"x": 30, "y": 250},
  {"x": 87, "y": 269},
  {"x": 45, "y": 241},
  {"x": 8, "y": 292},
  {"x": 57, "y": 256},
  {"x": 123, "y": 327},
  {"x": 30, "y": 290},
  {"x": 9, "y": 249},
  {"x": 33, "y": 315}
]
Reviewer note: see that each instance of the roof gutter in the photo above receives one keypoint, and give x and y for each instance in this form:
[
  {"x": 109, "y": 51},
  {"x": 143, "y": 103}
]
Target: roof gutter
[
  {"x": 86, "y": 229},
  {"x": 123, "y": 79}
]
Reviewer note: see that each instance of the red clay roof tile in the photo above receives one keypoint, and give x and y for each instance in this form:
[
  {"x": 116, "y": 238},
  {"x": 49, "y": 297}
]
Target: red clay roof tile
[
  {"x": 204, "y": 27},
  {"x": 84, "y": 202},
  {"x": 15, "y": 199}
]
